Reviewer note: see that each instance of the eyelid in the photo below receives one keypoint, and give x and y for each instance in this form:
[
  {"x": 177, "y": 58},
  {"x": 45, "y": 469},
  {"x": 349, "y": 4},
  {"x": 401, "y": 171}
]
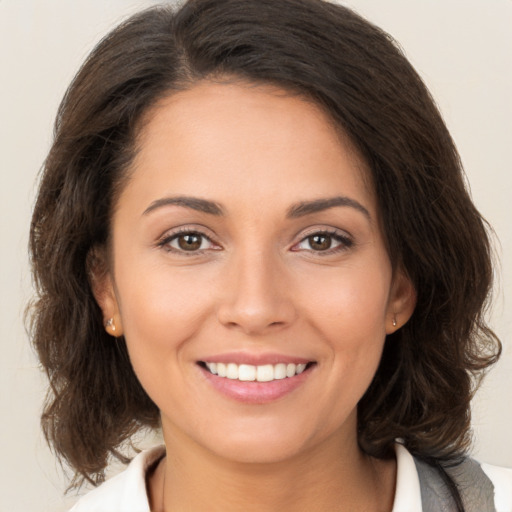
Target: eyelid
[
  {"x": 324, "y": 229},
  {"x": 171, "y": 234},
  {"x": 346, "y": 240}
]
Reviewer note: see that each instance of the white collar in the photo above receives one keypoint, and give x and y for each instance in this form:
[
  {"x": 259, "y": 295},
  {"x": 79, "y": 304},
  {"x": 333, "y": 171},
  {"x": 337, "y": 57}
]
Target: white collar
[
  {"x": 127, "y": 491},
  {"x": 124, "y": 492},
  {"x": 407, "y": 491}
]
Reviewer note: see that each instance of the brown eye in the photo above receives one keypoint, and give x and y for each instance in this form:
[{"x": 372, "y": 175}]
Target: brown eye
[
  {"x": 320, "y": 242},
  {"x": 190, "y": 242},
  {"x": 324, "y": 242}
]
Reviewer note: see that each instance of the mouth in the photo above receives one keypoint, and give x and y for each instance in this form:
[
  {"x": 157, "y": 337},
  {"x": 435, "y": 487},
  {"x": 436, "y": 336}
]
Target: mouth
[
  {"x": 255, "y": 373},
  {"x": 256, "y": 378}
]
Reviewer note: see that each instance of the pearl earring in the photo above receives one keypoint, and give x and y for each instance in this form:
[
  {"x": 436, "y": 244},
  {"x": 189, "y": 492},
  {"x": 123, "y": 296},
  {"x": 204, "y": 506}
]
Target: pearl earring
[{"x": 110, "y": 323}]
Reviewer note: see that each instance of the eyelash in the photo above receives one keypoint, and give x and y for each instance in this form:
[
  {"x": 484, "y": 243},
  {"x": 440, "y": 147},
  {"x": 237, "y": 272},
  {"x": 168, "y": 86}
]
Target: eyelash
[
  {"x": 345, "y": 242},
  {"x": 166, "y": 241}
]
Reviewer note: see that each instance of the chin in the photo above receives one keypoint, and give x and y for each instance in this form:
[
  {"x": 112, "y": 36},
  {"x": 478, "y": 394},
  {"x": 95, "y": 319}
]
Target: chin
[
  {"x": 261, "y": 442},
  {"x": 258, "y": 450}
]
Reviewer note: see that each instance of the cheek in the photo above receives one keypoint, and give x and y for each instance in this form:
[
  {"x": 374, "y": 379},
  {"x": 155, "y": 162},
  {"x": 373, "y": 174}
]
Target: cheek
[
  {"x": 160, "y": 309},
  {"x": 349, "y": 313},
  {"x": 353, "y": 300}
]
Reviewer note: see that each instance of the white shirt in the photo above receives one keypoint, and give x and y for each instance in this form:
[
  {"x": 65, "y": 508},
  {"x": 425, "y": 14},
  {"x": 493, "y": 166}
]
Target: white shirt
[{"x": 126, "y": 492}]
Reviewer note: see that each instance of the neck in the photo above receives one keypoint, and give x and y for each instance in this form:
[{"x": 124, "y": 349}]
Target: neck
[{"x": 335, "y": 476}]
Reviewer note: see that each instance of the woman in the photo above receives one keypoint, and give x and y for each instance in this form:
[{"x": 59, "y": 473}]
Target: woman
[{"x": 252, "y": 230}]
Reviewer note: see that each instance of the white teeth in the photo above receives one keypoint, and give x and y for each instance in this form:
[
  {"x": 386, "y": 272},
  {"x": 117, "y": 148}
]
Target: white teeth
[
  {"x": 212, "y": 367},
  {"x": 232, "y": 371},
  {"x": 300, "y": 368},
  {"x": 246, "y": 372},
  {"x": 265, "y": 373},
  {"x": 262, "y": 373},
  {"x": 221, "y": 369},
  {"x": 280, "y": 371},
  {"x": 290, "y": 369}
]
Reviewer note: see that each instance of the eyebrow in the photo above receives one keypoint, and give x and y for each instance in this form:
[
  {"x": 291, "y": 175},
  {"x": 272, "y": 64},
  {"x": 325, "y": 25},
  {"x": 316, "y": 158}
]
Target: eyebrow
[
  {"x": 308, "y": 207},
  {"x": 297, "y": 210},
  {"x": 194, "y": 203}
]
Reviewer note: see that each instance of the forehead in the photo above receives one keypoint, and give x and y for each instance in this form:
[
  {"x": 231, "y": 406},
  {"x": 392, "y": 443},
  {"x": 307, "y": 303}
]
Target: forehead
[{"x": 257, "y": 138}]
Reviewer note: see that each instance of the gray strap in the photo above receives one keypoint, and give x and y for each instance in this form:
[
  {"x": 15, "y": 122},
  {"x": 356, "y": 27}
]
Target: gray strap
[{"x": 476, "y": 489}]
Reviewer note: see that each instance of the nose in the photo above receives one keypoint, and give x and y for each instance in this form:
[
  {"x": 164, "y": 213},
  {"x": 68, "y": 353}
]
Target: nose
[{"x": 256, "y": 297}]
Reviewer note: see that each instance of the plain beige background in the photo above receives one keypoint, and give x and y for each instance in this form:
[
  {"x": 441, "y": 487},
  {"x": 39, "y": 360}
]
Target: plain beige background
[{"x": 463, "y": 50}]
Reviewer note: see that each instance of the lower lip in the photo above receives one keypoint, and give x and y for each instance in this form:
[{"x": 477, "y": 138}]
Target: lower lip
[{"x": 254, "y": 392}]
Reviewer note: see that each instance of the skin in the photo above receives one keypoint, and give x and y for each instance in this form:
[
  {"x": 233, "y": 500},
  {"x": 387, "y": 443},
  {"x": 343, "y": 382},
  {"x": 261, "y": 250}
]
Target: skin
[{"x": 256, "y": 285}]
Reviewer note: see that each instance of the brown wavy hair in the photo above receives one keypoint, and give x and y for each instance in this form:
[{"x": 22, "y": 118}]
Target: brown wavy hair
[{"x": 356, "y": 72}]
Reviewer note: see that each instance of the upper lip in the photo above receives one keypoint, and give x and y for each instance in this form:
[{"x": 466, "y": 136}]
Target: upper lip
[{"x": 254, "y": 359}]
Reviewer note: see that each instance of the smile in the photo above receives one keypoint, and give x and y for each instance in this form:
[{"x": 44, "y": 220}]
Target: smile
[
  {"x": 262, "y": 382},
  {"x": 260, "y": 373}
]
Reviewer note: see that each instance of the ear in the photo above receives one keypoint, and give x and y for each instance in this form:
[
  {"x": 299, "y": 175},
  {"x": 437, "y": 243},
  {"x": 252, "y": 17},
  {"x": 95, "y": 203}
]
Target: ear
[
  {"x": 402, "y": 301},
  {"x": 102, "y": 285}
]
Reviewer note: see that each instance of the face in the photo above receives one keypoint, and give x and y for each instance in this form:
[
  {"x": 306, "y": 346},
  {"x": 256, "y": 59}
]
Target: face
[{"x": 250, "y": 277}]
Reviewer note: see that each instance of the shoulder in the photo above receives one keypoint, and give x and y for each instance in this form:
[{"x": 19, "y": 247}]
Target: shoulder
[
  {"x": 126, "y": 491},
  {"x": 483, "y": 487}
]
